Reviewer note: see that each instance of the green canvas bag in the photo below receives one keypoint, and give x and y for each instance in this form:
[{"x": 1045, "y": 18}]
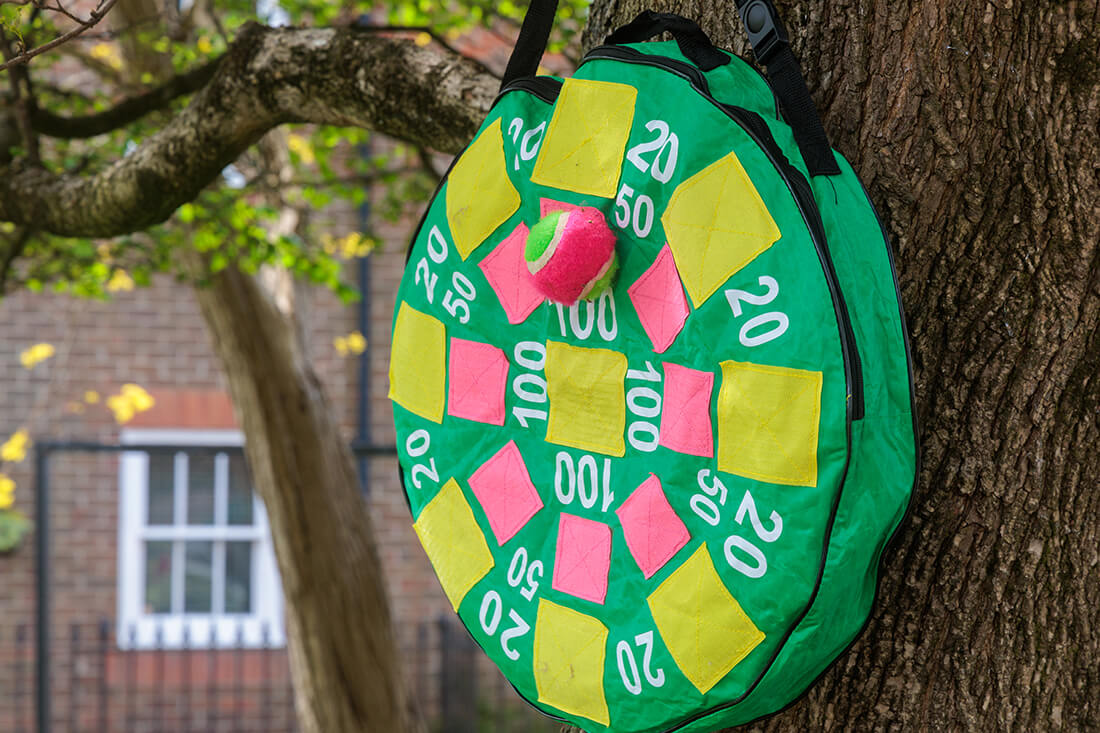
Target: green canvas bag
[{"x": 662, "y": 508}]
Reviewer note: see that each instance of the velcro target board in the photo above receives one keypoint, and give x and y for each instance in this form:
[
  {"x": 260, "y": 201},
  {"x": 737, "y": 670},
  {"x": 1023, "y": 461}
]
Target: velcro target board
[{"x": 626, "y": 500}]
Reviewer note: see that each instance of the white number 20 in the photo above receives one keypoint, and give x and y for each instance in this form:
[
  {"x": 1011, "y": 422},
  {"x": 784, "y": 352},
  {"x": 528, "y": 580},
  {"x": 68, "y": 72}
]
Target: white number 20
[{"x": 628, "y": 664}]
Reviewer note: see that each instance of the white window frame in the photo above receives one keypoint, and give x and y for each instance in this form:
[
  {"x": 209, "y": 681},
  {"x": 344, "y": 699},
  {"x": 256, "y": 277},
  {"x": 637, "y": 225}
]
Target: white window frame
[{"x": 138, "y": 629}]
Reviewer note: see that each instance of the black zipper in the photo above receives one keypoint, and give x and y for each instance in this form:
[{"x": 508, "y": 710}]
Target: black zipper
[
  {"x": 757, "y": 129},
  {"x": 544, "y": 87}
]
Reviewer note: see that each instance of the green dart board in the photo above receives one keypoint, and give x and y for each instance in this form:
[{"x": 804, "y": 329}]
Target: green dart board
[{"x": 628, "y": 500}]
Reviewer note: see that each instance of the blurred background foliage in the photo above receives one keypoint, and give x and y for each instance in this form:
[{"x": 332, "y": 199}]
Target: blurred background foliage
[{"x": 142, "y": 45}]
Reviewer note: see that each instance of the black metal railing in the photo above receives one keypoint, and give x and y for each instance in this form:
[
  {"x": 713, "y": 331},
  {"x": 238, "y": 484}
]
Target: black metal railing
[{"x": 100, "y": 686}]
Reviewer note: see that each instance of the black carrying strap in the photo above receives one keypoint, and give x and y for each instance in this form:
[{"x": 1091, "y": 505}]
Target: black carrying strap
[
  {"x": 531, "y": 43},
  {"x": 693, "y": 42},
  {"x": 770, "y": 44},
  {"x": 772, "y": 48}
]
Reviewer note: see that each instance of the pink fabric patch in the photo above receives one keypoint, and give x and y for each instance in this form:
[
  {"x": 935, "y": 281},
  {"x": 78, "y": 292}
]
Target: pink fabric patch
[
  {"x": 548, "y": 205},
  {"x": 653, "y": 531},
  {"x": 685, "y": 415},
  {"x": 503, "y": 487},
  {"x": 508, "y": 276},
  {"x": 478, "y": 376},
  {"x": 658, "y": 298},
  {"x": 583, "y": 558}
]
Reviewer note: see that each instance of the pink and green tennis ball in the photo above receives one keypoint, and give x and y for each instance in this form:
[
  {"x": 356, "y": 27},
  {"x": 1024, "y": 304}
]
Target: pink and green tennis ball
[{"x": 571, "y": 254}]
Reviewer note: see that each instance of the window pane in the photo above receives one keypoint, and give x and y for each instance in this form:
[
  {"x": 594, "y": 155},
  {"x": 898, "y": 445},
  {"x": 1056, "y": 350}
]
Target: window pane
[
  {"x": 198, "y": 577},
  {"x": 238, "y": 577},
  {"x": 240, "y": 491},
  {"x": 158, "y": 577},
  {"x": 161, "y": 487},
  {"x": 200, "y": 488}
]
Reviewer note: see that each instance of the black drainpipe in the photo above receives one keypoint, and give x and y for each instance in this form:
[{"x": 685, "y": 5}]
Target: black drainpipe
[
  {"x": 362, "y": 412},
  {"x": 43, "y": 696}
]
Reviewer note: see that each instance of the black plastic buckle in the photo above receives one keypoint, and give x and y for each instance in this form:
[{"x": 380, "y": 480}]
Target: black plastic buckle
[{"x": 766, "y": 32}]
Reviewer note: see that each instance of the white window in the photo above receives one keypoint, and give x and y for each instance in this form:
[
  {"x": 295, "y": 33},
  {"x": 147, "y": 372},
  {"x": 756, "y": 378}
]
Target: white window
[{"x": 195, "y": 564}]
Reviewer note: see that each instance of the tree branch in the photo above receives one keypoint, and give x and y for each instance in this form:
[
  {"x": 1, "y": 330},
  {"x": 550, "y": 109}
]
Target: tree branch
[
  {"x": 15, "y": 248},
  {"x": 93, "y": 19},
  {"x": 125, "y": 112},
  {"x": 23, "y": 98},
  {"x": 267, "y": 78}
]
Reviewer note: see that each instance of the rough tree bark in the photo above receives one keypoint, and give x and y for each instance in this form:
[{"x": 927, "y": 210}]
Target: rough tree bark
[
  {"x": 975, "y": 126},
  {"x": 348, "y": 676}
]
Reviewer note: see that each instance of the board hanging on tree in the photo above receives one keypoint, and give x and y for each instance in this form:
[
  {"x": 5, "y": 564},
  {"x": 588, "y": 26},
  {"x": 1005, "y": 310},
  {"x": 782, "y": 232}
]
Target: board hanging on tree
[{"x": 660, "y": 502}]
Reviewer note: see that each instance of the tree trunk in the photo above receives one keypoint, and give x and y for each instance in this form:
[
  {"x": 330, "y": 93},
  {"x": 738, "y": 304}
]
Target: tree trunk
[
  {"x": 975, "y": 127},
  {"x": 343, "y": 653}
]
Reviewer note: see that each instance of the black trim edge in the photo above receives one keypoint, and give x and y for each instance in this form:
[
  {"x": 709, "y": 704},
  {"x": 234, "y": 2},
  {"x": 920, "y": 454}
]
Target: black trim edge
[{"x": 753, "y": 125}]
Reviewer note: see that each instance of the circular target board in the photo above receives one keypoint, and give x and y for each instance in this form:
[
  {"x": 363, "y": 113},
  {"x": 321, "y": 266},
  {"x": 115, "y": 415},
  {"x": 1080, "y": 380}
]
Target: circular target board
[{"x": 626, "y": 500}]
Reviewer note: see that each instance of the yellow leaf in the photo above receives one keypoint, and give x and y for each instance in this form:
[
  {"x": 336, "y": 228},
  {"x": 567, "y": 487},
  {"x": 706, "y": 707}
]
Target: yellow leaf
[
  {"x": 356, "y": 344},
  {"x": 301, "y": 147},
  {"x": 341, "y": 345},
  {"x": 350, "y": 244},
  {"x": 120, "y": 280},
  {"x": 7, "y": 492},
  {"x": 108, "y": 54},
  {"x": 91, "y": 397},
  {"x": 121, "y": 407},
  {"x": 204, "y": 45},
  {"x": 15, "y": 449},
  {"x": 423, "y": 39},
  {"x": 35, "y": 355},
  {"x": 139, "y": 399}
]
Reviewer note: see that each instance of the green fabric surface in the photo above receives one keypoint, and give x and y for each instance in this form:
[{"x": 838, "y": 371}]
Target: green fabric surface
[{"x": 865, "y": 468}]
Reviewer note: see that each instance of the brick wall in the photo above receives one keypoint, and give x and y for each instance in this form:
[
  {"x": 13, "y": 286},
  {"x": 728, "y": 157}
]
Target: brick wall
[{"x": 155, "y": 337}]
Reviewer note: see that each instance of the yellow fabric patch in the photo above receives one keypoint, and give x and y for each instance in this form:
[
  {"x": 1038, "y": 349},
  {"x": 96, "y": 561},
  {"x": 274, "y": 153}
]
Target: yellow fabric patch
[
  {"x": 480, "y": 196},
  {"x": 418, "y": 363},
  {"x": 454, "y": 542},
  {"x": 767, "y": 423},
  {"x": 584, "y": 145},
  {"x": 702, "y": 625},
  {"x": 569, "y": 658},
  {"x": 716, "y": 223},
  {"x": 587, "y": 406}
]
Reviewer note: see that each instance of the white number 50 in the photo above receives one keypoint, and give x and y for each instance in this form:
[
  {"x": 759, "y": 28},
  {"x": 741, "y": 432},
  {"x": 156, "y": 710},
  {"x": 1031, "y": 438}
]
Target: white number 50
[{"x": 642, "y": 218}]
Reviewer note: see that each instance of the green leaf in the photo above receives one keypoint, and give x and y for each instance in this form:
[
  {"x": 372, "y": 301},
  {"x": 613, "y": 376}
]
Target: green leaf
[{"x": 13, "y": 527}]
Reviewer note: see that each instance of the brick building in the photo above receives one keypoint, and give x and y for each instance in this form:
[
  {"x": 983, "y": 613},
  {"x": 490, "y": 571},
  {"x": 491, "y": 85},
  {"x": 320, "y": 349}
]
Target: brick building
[
  {"x": 165, "y": 607},
  {"x": 150, "y": 544},
  {"x": 165, "y": 611}
]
